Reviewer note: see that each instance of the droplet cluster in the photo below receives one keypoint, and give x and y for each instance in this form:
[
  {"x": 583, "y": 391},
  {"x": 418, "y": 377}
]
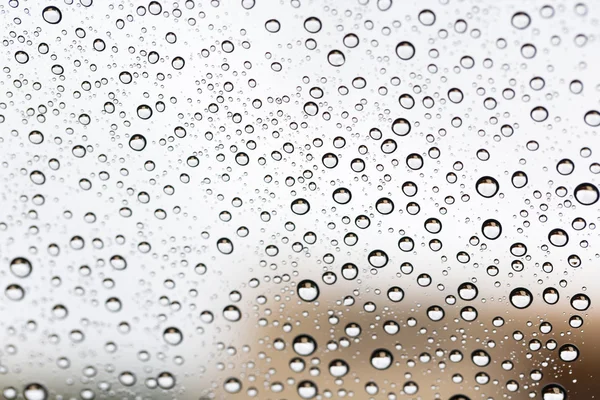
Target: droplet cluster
[{"x": 367, "y": 199}]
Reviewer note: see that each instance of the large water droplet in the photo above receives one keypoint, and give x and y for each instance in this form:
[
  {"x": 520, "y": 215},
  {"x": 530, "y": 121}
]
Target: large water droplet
[
  {"x": 52, "y": 15},
  {"x": 381, "y": 359},
  {"x": 521, "y": 298}
]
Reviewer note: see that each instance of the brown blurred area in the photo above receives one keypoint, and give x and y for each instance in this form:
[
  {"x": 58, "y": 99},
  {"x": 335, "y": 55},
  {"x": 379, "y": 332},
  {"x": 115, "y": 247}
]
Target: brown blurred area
[{"x": 580, "y": 377}]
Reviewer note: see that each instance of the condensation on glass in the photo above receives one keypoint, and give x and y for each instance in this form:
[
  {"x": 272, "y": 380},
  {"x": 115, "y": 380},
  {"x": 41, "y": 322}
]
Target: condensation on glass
[{"x": 299, "y": 199}]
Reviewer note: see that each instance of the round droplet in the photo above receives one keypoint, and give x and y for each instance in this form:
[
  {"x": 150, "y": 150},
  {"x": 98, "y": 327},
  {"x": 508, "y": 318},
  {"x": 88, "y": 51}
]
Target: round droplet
[
  {"x": 558, "y": 237},
  {"x": 173, "y": 336},
  {"x": 14, "y": 292},
  {"x": 384, "y": 206},
  {"x": 410, "y": 388},
  {"x": 405, "y": 50},
  {"x": 52, "y": 15},
  {"x": 378, "y": 258},
  {"x": 391, "y": 327},
  {"x": 520, "y": 298},
  {"x": 568, "y": 353},
  {"x": 232, "y": 314},
  {"x": 592, "y": 118},
  {"x": 20, "y": 267},
  {"x": 330, "y": 160},
  {"x": 227, "y": 46},
  {"x": 427, "y": 17},
  {"x": 178, "y": 63},
  {"x": 137, "y": 142},
  {"x": 232, "y": 385},
  {"x": 166, "y": 380},
  {"x": 308, "y": 290},
  {"x": 351, "y": 40},
  {"x": 520, "y": 20},
  {"x": 487, "y": 186},
  {"x": 480, "y": 358},
  {"x": 36, "y": 137},
  {"x": 342, "y": 196},
  {"x": 554, "y": 391},
  {"x": 580, "y": 302},
  {"x": 551, "y": 295},
  {"x": 272, "y": 26},
  {"x": 491, "y": 229},
  {"x": 455, "y": 95},
  {"x": 35, "y": 391},
  {"x": 338, "y": 368},
  {"x": 336, "y": 58},
  {"x": 144, "y": 111},
  {"x": 311, "y": 108},
  {"x": 300, "y": 206},
  {"x": 225, "y": 246},
  {"x": 401, "y": 127},
  {"x": 519, "y": 179},
  {"x": 467, "y": 291},
  {"x": 395, "y": 294},
  {"x": 433, "y": 225},
  {"x": 307, "y": 390},
  {"x": 304, "y": 345},
  {"x": 21, "y": 57},
  {"x": 312, "y": 24},
  {"x": 539, "y": 114},
  {"x": 381, "y": 359},
  {"x": 565, "y": 167},
  {"x": 586, "y": 194},
  {"x": 435, "y": 313}
]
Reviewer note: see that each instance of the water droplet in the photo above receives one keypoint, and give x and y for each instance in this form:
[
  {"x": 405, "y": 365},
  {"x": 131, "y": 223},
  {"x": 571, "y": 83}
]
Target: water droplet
[
  {"x": 539, "y": 114},
  {"x": 35, "y": 391},
  {"x": 225, "y": 246},
  {"x": 467, "y": 291},
  {"x": 272, "y": 26},
  {"x": 137, "y": 142},
  {"x": 568, "y": 353},
  {"x": 491, "y": 229},
  {"x": 592, "y": 118},
  {"x": 554, "y": 391},
  {"x": 587, "y": 194},
  {"x": 520, "y": 20},
  {"x": 427, "y": 17},
  {"x": 20, "y": 267},
  {"x": 304, "y": 345},
  {"x": 300, "y": 206},
  {"x": 520, "y": 298},
  {"x": 52, "y": 15},
  {"x": 232, "y": 385},
  {"x": 480, "y": 358},
  {"x": 558, "y": 237},
  {"x": 336, "y": 58},
  {"x": 308, "y": 290},
  {"x": 342, "y": 196},
  {"x": 381, "y": 359},
  {"x": 487, "y": 186},
  {"x": 401, "y": 127},
  {"x": 172, "y": 336},
  {"x": 312, "y": 24},
  {"x": 21, "y": 57},
  {"x": 405, "y": 51}
]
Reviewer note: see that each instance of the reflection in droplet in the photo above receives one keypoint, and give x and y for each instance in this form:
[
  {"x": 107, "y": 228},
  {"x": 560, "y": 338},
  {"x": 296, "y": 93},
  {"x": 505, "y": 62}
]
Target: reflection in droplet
[
  {"x": 405, "y": 50},
  {"x": 308, "y": 290},
  {"x": 336, "y": 58},
  {"x": 487, "y": 186},
  {"x": 520, "y": 298},
  {"x": 381, "y": 359}
]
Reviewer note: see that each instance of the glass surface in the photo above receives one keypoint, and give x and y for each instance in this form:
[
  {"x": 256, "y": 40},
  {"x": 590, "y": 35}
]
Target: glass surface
[{"x": 299, "y": 199}]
